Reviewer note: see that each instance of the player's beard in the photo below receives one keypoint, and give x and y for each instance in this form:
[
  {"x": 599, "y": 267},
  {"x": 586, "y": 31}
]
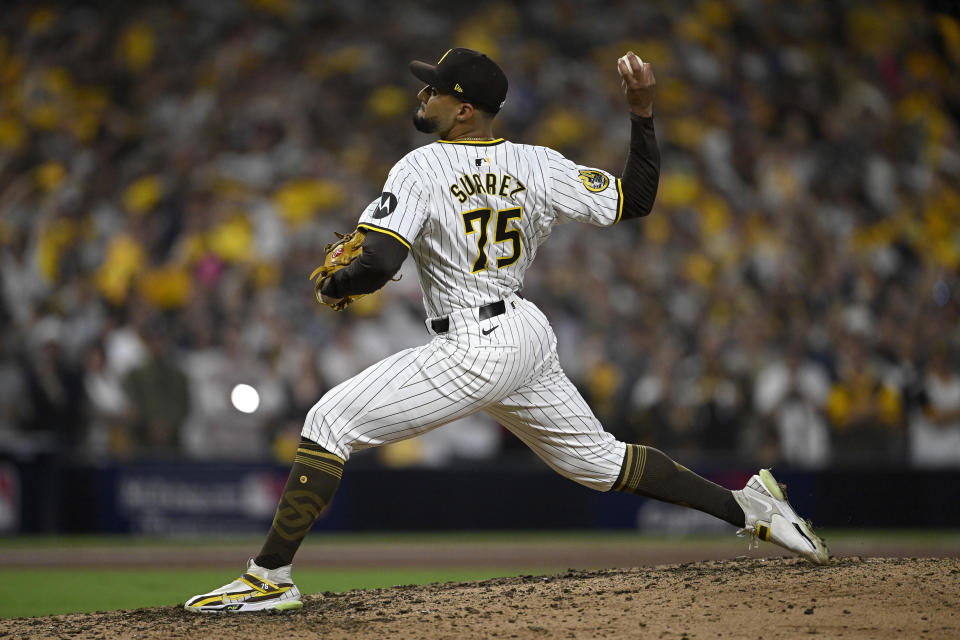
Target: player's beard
[{"x": 425, "y": 124}]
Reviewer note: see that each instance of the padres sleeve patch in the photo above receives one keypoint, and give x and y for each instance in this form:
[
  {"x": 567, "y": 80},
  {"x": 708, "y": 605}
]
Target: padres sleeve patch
[{"x": 593, "y": 180}]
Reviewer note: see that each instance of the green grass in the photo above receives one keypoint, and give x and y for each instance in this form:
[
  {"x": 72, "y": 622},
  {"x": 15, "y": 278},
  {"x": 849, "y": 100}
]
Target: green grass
[
  {"x": 40, "y": 592},
  {"x": 45, "y": 591}
]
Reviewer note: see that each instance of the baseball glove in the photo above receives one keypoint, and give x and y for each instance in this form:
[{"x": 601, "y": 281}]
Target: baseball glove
[{"x": 339, "y": 254}]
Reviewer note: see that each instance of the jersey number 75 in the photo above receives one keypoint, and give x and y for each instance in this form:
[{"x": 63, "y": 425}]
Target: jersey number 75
[{"x": 502, "y": 234}]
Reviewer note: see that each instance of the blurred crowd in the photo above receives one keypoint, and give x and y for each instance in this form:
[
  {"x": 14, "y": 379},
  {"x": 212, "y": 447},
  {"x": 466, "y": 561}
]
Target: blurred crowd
[{"x": 170, "y": 173}]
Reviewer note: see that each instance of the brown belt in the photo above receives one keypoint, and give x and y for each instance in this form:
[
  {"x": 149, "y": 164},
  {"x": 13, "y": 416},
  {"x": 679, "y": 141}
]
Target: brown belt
[{"x": 487, "y": 311}]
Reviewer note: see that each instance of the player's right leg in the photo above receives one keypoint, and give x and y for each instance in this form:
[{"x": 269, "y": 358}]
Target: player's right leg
[
  {"x": 760, "y": 509},
  {"x": 551, "y": 417},
  {"x": 769, "y": 516},
  {"x": 555, "y": 422}
]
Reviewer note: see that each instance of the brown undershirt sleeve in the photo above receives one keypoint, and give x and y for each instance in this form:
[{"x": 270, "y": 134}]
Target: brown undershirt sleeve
[{"x": 641, "y": 174}]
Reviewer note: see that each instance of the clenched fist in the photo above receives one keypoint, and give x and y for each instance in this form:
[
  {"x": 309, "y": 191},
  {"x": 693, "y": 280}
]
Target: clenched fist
[{"x": 638, "y": 83}]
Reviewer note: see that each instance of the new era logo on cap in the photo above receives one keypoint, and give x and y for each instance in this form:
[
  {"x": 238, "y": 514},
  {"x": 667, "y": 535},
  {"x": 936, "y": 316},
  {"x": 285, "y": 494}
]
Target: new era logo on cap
[{"x": 470, "y": 74}]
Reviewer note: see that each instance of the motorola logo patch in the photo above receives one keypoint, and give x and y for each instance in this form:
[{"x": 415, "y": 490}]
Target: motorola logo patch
[{"x": 388, "y": 202}]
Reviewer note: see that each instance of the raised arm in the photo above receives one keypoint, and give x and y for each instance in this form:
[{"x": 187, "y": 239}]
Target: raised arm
[{"x": 641, "y": 174}]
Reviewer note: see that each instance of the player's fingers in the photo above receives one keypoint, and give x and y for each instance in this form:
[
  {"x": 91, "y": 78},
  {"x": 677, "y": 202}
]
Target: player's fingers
[
  {"x": 629, "y": 64},
  {"x": 647, "y": 78},
  {"x": 634, "y": 71},
  {"x": 636, "y": 64},
  {"x": 628, "y": 77}
]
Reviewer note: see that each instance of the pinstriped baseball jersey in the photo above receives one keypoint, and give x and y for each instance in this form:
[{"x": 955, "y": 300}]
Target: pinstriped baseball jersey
[
  {"x": 506, "y": 366},
  {"x": 474, "y": 213}
]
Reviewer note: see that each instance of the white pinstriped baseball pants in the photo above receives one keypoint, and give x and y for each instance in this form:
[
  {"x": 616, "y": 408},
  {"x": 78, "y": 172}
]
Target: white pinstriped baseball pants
[{"x": 512, "y": 373}]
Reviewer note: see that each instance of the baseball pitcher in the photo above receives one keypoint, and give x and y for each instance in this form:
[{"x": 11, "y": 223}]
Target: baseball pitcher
[{"x": 473, "y": 209}]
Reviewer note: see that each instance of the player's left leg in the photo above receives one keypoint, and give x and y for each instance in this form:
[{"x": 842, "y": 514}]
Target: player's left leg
[
  {"x": 402, "y": 396},
  {"x": 267, "y": 583}
]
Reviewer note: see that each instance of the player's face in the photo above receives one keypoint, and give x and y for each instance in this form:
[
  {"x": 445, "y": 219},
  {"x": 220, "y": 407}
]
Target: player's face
[{"x": 436, "y": 111}]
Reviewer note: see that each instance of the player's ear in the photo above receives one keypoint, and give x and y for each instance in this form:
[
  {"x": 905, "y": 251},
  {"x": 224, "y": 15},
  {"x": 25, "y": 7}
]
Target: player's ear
[{"x": 466, "y": 112}]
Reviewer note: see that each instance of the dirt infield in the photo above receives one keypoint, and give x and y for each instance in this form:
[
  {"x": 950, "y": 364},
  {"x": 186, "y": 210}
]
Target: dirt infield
[{"x": 743, "y": 598}]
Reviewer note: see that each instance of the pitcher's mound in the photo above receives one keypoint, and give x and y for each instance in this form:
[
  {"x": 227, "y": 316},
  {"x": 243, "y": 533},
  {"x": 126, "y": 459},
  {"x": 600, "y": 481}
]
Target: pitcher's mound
[{"x": 744, "y": 598}]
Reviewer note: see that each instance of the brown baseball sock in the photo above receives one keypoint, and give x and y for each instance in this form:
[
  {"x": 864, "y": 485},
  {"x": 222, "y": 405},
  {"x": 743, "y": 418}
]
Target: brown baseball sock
[
  {"x": 312, "y": 482},
  {"x": 651, "y": 473}
]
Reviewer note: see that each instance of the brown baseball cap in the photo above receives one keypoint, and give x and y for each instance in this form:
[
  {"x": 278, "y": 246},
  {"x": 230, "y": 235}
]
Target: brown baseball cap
[{"x": 468, "y": 74}]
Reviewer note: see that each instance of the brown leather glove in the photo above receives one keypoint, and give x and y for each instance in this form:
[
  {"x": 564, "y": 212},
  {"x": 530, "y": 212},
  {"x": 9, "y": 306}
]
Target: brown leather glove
[{"x": 338, "y": 255}]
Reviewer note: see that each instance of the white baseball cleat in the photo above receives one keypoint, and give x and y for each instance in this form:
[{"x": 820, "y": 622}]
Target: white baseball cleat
[
  {"x": 770, "y": 517},
  {"x": 258, "y": 589}
]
